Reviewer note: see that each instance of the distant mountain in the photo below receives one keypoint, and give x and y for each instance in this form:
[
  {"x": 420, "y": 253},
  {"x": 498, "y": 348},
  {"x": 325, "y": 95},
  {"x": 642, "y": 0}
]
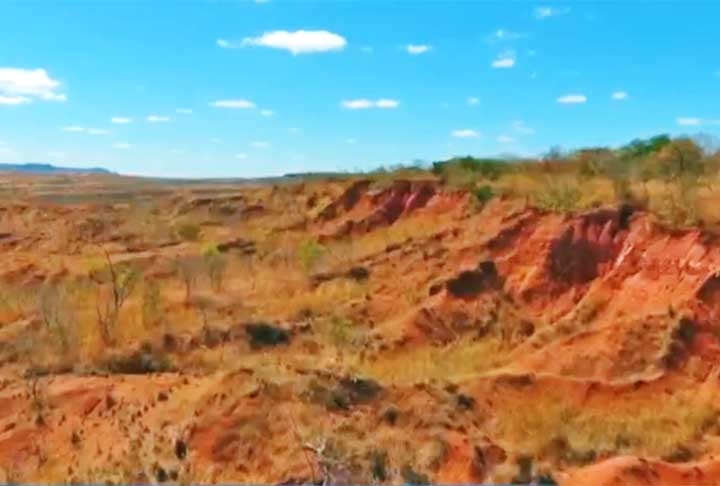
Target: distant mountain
[{"x": 40, "y": 168}]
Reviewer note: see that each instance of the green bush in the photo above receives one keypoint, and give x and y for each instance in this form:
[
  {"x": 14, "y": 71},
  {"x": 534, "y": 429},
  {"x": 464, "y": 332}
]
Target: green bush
[
  {"x": 309, "y": 254},
  {"x": 484, "y": 194}
]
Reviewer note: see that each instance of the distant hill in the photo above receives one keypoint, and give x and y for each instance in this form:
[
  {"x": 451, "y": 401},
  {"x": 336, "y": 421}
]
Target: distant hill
[{"x": 40, "y": 168}]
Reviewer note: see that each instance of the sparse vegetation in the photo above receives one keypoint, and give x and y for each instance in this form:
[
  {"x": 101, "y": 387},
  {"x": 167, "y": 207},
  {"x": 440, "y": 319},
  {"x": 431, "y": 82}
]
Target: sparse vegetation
[
  {"x": 216, "y": 267},
  {"x": 188, "y": 231},
  {"x": 114, "y": 287},
  {"x": 240, "y": 309}
]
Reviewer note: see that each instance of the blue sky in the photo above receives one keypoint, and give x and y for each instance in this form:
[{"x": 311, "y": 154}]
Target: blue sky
[{"x": 248, "y": 88}]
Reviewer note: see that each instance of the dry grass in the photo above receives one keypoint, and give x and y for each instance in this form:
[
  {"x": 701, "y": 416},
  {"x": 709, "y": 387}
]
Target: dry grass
[{"x": 639, "y": 426}]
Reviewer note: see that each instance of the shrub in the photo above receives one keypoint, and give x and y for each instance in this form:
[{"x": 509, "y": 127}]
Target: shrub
[
  {"x": 309, "y": 254},
  {"x": 216, "y": 266},
  {"x": 264, "y": 335},
  {"x": 188, "y": 231},
  {"x": 484, "y": 194},
  {"x": 559, "y": 196}
]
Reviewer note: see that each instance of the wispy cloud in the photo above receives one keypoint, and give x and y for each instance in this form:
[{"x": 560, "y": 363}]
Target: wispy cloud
[
  {"x": 472, "y": 101},
  {"x": 619, "y": 95},
  {"x": 97, "y": 131},
  {"x": 241, "y": 156},
  {"x": 694, "y": 121},
  {"x": 89, "y": 131},
  {"x": 183, "y": 111},
  {"x": 365, "y": 104},
  {"x": 415, "y": 49},
  {"x": 297, "y": 42},
  {"x": 501, "y": 35},
  {"x": 267, "y": 112},
  {"x": 121, "y": 120},
  {"x": 465, "y": 133},
  {"x": 260, "y": 144},
  {"x": 367, "y": 49},
  {"x": 14, "y": 100},
  {"x": 520, "y": 127},
  {"x": 158, "y": 119},
  {"x": 542, "y": 13},
  {"x": 572, "y": 99},
  {"x": 122, "y": 146},
  {"x": 504, "y": 60},
  {"x": 21, "y": 86},
  {"x": 350, "y": 141},
  {"x": 239, "y": 104},
  {"x": 505, "y": 139}
]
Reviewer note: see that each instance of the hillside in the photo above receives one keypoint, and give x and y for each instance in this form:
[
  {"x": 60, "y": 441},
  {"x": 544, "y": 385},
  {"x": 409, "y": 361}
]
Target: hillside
[{"x": 474, "y": 324}]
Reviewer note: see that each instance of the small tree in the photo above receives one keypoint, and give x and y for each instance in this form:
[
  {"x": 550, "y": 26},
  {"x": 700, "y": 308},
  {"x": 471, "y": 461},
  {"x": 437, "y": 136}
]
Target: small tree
[
  {"x": 216, "y": 266},
  {"x": 122, "y": 282},
  {"x": 54, "y": 311},
  {"x": 151, "y": 304},
  {"x": 681, "y": 158},
  {"x": 188, "y": 268}
]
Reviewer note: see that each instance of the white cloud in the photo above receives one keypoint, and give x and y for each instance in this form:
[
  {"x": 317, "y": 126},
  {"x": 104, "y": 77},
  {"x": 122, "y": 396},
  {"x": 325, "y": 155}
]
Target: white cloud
[
  {"x": 97, "y": 131},
  {"x": 416, "y": 49},
  {"x": 234, "y": 104},
  {"x": 541, "y": 13},
  {"x": 241, "y": 156},
  {"x": 505, "y": 139},
  {"x": 20, "y": 86},
  {"x": 387, "y": 103},
  {"x": 501, "y": 35},
  {"x": 297, "y": 42},
  {"x": 14, "y": 100},
  {"x": 504, "y": 60},
  {"x": 183, "y": 111},
  {"x": 121, "y": 120},
  {"x": 465, "y": 133},
  {"x": 260, "y": 145},
  {"x": 89, "y": 131},
  {"x": 572, "y": 99},
  {"x": 122, "y": 146},
  {"x": 364, "y": 104},
  {"x": 473, "y": 101},
  {"x": 619, "y": 95},
  {"x": 158, "y": 119},
  {"x": 693, "y": 121},
  {"x": 359, "y": 104},
  {"x": 351, "y": 141},
  {"x": 225, "y": 44},
  {"x": 267, "y": 112},
  {"x": 520, "y": 127}
]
